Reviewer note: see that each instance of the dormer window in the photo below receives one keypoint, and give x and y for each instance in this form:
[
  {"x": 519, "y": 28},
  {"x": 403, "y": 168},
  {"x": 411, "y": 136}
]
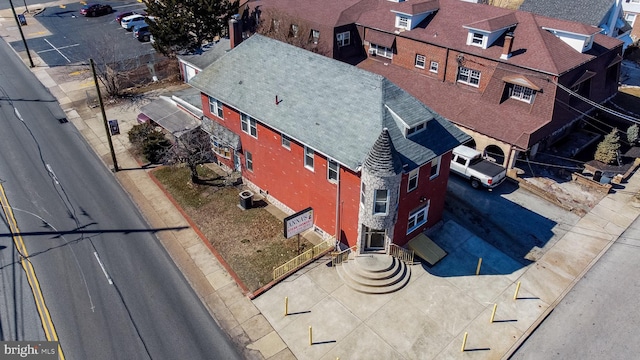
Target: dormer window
[
  {"x": 415, "y": 129},
  {"x": 402, "y": 21},
  {"x": 477, "y": 39},
  {"x": 522, "y": 93}
]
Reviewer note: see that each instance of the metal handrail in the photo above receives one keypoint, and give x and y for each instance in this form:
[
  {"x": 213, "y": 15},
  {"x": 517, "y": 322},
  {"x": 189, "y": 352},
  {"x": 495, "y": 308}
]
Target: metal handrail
[
  {"x": 338, "y": 258},
  {"x": 402, "y": 254},
  {"x": 302, "y": 259}
]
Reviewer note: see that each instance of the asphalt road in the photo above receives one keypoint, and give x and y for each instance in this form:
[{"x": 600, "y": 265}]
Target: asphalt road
[
  {"x": 111, "y": 289},
  {"x": 75, "y": 38},
  {"x": 599, "y": 317}
]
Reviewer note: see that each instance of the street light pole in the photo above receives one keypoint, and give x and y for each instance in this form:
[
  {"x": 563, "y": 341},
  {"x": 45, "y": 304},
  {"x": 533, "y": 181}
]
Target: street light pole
[
  {"x": 21, "y": 33},
  {"x": 104, "y": 117}
]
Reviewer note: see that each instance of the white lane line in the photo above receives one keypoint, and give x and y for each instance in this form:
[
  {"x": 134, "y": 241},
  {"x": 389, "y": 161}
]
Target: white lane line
[
  {"x": 56, "y": 49},
  {"x": 52, "y": 174},
  {"x": 15, "y": 110},
  {"x": 61, "y": 54},
  {"x": 103, "y": 269}
]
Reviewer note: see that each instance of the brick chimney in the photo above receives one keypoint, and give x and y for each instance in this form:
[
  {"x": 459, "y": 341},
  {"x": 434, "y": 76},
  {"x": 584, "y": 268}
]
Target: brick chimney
[
  {"x": 508, "y": 44},
  {"x": 235, "y": 31}
]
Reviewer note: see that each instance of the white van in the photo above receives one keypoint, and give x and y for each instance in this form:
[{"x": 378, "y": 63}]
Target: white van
[{"x": 129, "y": 22}]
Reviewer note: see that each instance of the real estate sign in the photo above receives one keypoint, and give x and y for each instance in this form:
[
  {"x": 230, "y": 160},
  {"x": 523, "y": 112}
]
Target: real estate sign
[{"x": 298, "y": 222}]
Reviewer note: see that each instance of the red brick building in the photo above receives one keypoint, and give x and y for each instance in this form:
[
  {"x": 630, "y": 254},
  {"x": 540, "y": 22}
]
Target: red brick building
[{"x": 309, "y": 131}]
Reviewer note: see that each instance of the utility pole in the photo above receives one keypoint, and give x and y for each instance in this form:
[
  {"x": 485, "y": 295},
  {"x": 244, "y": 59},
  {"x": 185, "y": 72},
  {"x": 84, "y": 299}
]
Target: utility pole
[
  {"x": 24, "y": 41},
  {"x": 104, "y": 117}
]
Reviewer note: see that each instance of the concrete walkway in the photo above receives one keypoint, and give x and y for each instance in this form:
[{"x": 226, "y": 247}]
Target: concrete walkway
[{"x": 425, "y": 320}]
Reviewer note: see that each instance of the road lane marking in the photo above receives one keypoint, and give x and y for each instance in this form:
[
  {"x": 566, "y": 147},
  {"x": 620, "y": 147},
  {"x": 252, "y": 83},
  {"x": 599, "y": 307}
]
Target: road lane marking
[
  {"x": 56, "y": 48},
  {"x": 103, "y": 269},
  {"x": 43, "y": 310},
  {"x": 59, "y": 52}
]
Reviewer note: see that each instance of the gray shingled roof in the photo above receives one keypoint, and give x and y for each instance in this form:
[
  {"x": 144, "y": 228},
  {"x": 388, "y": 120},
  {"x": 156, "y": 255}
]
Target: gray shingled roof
[
  {"x": 590, "y": 12},
  {"x": 334, "y": 108}
]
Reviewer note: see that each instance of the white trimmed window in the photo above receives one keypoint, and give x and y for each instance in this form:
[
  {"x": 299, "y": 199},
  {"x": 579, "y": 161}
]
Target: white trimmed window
[
  {"x": 477, "y": 39},
  {"x": 381, "y": 202},
  {"x": 294, "y": 30},
  {"x": 435, "y": 168},
  {"x": 315, "y": 36},
  {"x": 522, "y": 93},
  {"x": 434, "y": 67},
  {"x": 215, "y": 107},
  {"x": 420, "y": 61},
  {"x": 631, "y": 18},
  {"x": 249, "y": 161},
  {"x": 332, "y": 170},
  {"x": 219, "y": 148},
  {"x": 249, "y": 125},
  {"x": 381, "y": 51},
  {"x": 363, "y": 190},
  {"x": 417, "y": 128},
  {"x": 412, "y": 184},
  {"x": 343, "y": 38},
  {"x": 468, "y": 76},
  {"x": 418, "y": 218},
  {"x": 286, "y": 142},
  {"x": 402, "y": 22},
  {"x": 308, "y": 158}
]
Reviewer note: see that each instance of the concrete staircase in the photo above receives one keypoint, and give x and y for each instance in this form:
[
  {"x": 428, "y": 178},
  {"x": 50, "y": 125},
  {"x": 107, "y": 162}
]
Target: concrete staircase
[{"x": 374, "y": 273}]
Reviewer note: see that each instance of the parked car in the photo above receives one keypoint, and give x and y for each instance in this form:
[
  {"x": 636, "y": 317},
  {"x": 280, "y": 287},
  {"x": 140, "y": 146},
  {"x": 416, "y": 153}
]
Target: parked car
[
  {"x": 124, "y": 14},
  {"x": 142, "y": 33},
  {"x": 95, "y": 10},
  {"x": 132, "y": 20},
  {"x": 469, "y": 164}
]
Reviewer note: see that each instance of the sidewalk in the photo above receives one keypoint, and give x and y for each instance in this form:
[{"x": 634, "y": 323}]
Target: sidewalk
[{"x": 425, "y": 320}]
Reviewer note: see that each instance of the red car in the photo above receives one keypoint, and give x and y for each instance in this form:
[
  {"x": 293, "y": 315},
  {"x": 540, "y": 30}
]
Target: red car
[{"x": 95, "y": 10}]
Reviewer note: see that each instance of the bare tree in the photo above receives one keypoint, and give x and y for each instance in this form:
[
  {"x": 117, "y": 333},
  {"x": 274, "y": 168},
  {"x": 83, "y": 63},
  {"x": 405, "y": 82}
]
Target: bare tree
[
  {"x": 111, "y": 69},
  {"x": 191, "y": 148},
  {"x": 281, "y": 26}
]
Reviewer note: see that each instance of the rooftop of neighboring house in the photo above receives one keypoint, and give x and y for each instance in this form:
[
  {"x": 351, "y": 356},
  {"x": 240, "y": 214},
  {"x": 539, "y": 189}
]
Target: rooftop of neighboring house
[
  {"x": 332, "y": 107},
  {"x": 533, "y": 46},
  {"x": 592, "y": 12},
  {"x": 207, "y": 54}
]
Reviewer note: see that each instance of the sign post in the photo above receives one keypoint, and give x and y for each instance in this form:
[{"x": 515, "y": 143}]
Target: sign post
[{"x": 297, "y": 223}]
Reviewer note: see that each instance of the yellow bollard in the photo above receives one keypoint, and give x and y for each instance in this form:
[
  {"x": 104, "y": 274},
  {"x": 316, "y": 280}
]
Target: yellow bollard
[
  {"x": 286, "y": 305},
  {"x": 493, "y": 314},
  {"x": 515, "y": 295},
  {"x": 464, "y": 341},
  {"x": 310, "y": 336},
  {"x": 478, "y": 268}
]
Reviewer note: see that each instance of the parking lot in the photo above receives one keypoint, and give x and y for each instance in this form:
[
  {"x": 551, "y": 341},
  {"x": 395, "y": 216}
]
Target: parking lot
[{"x": 74, "y": 39}]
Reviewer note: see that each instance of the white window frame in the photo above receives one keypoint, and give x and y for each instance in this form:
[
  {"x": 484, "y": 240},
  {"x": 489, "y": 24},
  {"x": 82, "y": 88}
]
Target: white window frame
[
  {"x": 421, "y": 61},
  {"x": 477, "y": 39},
  {"x": 343, "y": 38},
  {"x": 315, "y": 35},
  {"x": 381, "y": 50},
  {"x": 630, "y": 18},
  {"x": 435, "y": 164},
  {"x": 402, "y": 21},
  {"x": 215, "y": 107},
  {"x": 413, "y": 176},
  {"x": 377, "y": 201},
  {"x": 522, "y": 93},
  {"x": 363, "y": 191},
  {"x": 333, "y": 170},
  {"x": 286, "y": 142},
  {"x": 417, "y": 218},
  {"x": 416, "y": 129},
  {"x": 248, "y": 160},
  {"x": 294, "y": 30},
  {"x": 249, "y": 125},
  {"x": 469, "y": 76},
  {"x": 309, "y": 154},
  {"x": 433, "y": 67},
  {"x": 219, "y": 149}
]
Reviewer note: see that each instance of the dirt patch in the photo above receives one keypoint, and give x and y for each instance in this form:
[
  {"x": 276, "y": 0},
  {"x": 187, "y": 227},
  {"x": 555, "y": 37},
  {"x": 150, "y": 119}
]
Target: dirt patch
[{"x": 250, "y": 241}]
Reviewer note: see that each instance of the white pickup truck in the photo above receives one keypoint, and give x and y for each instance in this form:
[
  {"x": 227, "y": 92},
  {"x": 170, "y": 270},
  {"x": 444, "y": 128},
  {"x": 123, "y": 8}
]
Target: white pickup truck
[{"x": 469, "y": 164}]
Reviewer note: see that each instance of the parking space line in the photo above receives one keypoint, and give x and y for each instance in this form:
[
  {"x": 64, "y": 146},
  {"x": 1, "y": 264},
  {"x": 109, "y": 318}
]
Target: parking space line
[{"x": 58, "y": 49}]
